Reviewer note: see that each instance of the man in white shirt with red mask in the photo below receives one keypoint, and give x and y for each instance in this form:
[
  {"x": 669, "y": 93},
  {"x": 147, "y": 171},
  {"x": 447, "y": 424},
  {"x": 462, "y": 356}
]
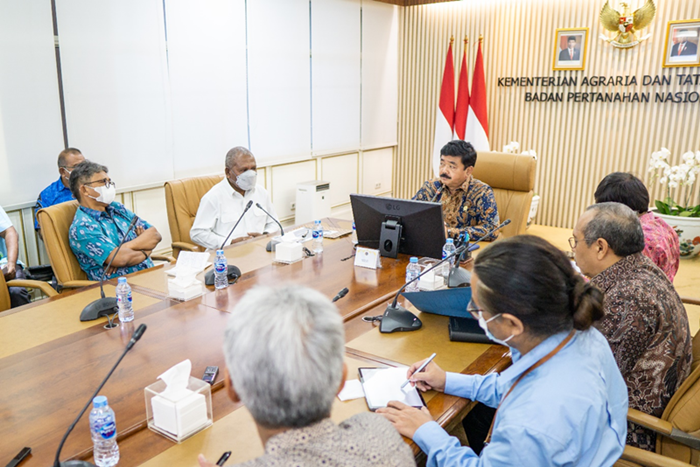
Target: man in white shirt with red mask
[{"x": 222, "y": 206}]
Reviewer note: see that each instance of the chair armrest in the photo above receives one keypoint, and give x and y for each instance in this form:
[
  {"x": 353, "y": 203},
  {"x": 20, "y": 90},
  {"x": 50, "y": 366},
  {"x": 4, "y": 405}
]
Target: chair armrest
[
  {"x": 77, "y": 284},
  {"x": 45, "y": 287},
  {"x": 167, "y": 258},
  {"x": 663, "y": 427},
  {"x": 187, "y": 246},
  {"x": 650, "y": 459},
  {"x": 649, "y": 421},
  {"x": 691, "y": 300}
]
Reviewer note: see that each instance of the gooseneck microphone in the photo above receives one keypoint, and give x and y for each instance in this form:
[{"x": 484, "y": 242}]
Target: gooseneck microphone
[
  {"x": 233, "y": 272},
  {"x": 106, "y": 305},
  {"x": 340, "y": 295},
  {"x": 271, "y": 244},
  {"x": 398, "y": 318},
  {"x": 76, "y": 463},
  {"x": 437, "y": 192},
  {"x": 460, "y": 277}
]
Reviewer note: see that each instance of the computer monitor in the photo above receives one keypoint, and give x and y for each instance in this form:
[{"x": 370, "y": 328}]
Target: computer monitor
[{"x": 395, "y": 226}]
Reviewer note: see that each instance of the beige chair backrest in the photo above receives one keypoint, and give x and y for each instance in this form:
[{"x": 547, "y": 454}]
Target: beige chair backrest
[
  {"x": 512, "y": 177},
  {"x": 683, "y": 411},
  {"x": 55, "y": 222},
  {"x": 182, "y": 199}
]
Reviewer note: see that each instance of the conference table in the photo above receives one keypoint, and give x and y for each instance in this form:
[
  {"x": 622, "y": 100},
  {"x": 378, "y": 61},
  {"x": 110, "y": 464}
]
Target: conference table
[{"x": 50, "y": 362}]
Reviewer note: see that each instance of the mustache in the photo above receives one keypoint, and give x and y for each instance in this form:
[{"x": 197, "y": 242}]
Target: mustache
[{"x": 445, "y": 176}]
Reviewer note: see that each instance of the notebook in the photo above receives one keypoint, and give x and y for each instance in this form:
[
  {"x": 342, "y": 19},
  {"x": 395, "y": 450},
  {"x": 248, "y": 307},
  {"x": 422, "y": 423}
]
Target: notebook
[{"x": 382, "y": 385}]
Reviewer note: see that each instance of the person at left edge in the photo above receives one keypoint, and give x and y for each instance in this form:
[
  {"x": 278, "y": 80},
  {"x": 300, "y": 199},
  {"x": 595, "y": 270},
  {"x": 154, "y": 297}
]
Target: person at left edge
[
  {"x": 100, "y": 224},
  {"x": 221, "y": 207},
  {"x": 468, "y": 204},
  {"x": 59, "y": 191},
  {"x": 10, "y": 266}
]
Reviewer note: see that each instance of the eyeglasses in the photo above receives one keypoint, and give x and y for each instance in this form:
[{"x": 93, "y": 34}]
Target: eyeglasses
[
  {"x": 573, "y": 242},
  {"x": 473, "y": 309},
  {"x": 105, "y": 181}
]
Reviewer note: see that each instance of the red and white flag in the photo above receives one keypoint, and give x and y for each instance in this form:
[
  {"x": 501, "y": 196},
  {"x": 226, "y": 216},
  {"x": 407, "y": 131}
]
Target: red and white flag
[
  {"x": 462, "y": 109},
  {"x": 477, "y": 131},
  {"x": 444, "y": 122}
]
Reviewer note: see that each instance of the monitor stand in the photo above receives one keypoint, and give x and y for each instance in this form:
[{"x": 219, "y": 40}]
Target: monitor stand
[{"x": 389, "y": 238}]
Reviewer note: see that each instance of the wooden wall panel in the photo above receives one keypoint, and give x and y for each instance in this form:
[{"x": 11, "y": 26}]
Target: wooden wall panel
[{"x": 577, "y": 143}]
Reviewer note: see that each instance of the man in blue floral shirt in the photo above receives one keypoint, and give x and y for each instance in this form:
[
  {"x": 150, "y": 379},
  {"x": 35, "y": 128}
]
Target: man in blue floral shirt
[
  {"x": 100, "y": 223},
  {"x": 59, "y": 191},
  {"x": 468, "y": 204}
]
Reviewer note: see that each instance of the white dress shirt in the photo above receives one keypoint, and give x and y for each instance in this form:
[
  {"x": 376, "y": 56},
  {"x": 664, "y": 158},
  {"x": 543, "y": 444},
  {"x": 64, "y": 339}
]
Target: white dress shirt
[{"x": 221, "y": 207}]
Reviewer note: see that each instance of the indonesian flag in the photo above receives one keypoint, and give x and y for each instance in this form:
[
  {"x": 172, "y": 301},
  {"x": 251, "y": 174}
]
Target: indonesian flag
[
  {"x": 444, "y": 122},
  {"x": 462, "y": 97},
  {"x": 477, "y": 131}
]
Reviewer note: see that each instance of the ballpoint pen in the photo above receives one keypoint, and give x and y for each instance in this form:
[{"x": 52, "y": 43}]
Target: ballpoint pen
[{"x": 420, "y": 368}]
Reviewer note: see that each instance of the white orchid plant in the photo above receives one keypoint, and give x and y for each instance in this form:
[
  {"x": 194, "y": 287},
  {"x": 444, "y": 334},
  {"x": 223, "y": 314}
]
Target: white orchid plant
[
  {"x": 674, "y": 177},
  {"x": 513, "y": 147}
]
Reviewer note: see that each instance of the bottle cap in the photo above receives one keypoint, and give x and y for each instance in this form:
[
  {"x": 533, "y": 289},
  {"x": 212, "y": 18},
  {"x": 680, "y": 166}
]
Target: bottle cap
[
  {"x": 99, "y": 401},
  {"x": 450, "y": 240},
  {"x": 121, "y": 280},
  {"x": 414, "y": 259},
  {"x": 219, "y": 252},
  {"x": 317, "y": 222}
]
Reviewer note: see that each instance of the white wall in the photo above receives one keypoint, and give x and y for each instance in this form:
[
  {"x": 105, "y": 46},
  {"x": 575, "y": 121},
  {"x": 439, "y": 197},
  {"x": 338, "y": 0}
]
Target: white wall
[{"x": 161, "y": 89}]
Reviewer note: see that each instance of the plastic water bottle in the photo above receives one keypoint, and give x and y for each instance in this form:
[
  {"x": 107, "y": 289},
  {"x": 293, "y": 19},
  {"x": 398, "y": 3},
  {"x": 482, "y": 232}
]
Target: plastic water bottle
[
  {"x": 318, "y": 237},
  {"x": 447, "y": 250},
  {"x": 126, "y": 312},
  {"x": 103, "y": 429},
  {"x": 354, "y": 234},
  {"x": 220, "y": 270},
  {"x": 412, "y": 271}
]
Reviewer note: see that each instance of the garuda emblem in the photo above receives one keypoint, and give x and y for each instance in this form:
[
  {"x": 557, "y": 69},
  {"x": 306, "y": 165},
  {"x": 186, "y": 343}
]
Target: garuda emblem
[{"x": 625, "y": 24}]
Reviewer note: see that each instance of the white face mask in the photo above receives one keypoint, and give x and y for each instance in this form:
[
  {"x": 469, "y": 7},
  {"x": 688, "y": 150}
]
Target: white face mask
[
  {"x": 107, "y": 194},
  {"x": 69, "y": 172},
  {"x": 246, "y": 181},
  {"x": 484, "y": 326}
]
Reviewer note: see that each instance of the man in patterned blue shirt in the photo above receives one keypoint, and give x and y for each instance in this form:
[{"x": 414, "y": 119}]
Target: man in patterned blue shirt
[
  {"x": 468, "y": 204},
  {"x": 59, "y": 191},
  {"x": 100, "y": 223}
]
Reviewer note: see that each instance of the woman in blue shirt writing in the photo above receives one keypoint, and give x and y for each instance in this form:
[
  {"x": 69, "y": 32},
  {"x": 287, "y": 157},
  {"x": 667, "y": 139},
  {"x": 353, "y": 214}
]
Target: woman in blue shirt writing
[{"x": 563, "y": 400}]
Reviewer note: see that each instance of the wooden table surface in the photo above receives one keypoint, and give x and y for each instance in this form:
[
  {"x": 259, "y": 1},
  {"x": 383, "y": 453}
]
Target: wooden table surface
[{"x": 50, "y": 362}]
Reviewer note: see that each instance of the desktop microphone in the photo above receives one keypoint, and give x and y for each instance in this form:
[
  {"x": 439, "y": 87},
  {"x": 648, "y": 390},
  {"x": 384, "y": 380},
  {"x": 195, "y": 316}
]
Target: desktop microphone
[
  {"x": 271, "y": 244},
  {"x": 106, "y": 305},
  {"x": 340, "y": 295},
  {"x": 398, "y": 318},
  {"x": 233, "y": 272},
  {"x": 437, "y": 192},
  {"x": 460, "y": 277},
  {"x": 76, "y": 463}
]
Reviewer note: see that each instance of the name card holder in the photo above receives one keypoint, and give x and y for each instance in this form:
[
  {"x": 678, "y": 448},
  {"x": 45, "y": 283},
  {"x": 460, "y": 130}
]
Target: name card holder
[{"x": 367, "y": 258}]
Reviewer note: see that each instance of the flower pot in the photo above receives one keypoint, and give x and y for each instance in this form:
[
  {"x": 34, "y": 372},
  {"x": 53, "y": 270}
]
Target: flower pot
[
  {"x": 533, "y": 209},
  {"x": 688, "y": 230}
]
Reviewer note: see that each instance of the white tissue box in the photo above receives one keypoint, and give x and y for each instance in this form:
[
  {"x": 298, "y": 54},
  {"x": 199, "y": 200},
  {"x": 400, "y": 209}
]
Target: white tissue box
[
  {"x": 288, "y": 252},
  {"x": 178, "y": 292},
  {"x": 430, "y": 281},
  {"x": 180, "y": 416}
]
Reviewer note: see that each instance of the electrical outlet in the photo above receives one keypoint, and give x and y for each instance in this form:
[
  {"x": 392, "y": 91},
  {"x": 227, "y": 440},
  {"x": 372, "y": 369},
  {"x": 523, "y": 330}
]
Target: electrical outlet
[
  {"x": 378, "y": 186},
  {"x": 294, "y": 206}
]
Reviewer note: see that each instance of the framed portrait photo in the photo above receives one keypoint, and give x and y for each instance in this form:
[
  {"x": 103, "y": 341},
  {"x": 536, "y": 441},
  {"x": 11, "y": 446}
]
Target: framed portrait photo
[
  {"x": 570, "y": 49},
  {"x": 681, "y": 47}
]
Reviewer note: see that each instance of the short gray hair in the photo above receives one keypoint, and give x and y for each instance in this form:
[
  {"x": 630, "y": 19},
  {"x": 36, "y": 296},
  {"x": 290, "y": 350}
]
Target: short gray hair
[
  {"x": 284, "y": 350},
  {"x": 618, "y": 225},
  {"x": 233, "y": 155},
  {"x": 82, "y": 173}
]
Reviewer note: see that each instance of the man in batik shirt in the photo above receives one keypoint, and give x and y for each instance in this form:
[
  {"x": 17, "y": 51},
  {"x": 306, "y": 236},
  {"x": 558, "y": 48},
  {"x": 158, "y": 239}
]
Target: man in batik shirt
[
  {"x": 468, "y": 204},
  {"x": 645, "y": 322},
  {"x": 661, "y": 243},
  {"x": 100, "y": 224}
]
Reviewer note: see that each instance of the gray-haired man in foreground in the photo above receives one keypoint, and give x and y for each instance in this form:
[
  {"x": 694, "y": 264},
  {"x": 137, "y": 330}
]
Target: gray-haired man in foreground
[{"x": 284, "y": 355}]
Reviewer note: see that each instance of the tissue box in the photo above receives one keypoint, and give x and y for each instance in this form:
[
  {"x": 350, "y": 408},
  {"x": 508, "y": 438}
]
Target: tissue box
[
  {"x": 288, "y": 252},
  {"x": 430, "y": 281},
  {"x": 182, "y": 415},
  {"x": 184, "y": 293}
]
